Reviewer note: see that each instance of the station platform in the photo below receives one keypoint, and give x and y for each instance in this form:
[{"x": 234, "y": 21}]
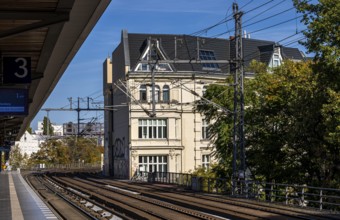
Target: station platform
[{"x": 18, "y": 201}]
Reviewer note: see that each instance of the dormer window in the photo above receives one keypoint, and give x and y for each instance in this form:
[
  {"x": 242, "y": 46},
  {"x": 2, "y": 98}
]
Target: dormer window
[
  {"x": 276, "y": 60},
  {"x": 153, "y": 53},
  {"x": 208, "y": 55}
]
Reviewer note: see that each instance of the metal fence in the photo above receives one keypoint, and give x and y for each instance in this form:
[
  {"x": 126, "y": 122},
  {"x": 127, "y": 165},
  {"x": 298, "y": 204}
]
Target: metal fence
[
  {"x": 70, "y": 166},
  {"x": 295, "y": 195},
  {"x": 288, "y": 194}
]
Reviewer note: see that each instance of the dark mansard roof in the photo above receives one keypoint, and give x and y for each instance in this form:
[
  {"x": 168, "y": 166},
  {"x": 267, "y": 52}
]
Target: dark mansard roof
[{"x": 184, "y": 47}]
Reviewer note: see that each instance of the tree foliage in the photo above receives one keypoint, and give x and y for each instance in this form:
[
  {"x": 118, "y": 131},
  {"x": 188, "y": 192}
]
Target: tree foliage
[
  {"x": 283, "y": 126},
  {"x": 323, "y": 22},
  {"x": 292, "y": 120},
  {"x": 17, "y": 158},
  {"x": 291, "y": 135},
  {"x": 47, "y": 127},
  {"x": 219, "y": 118},
  {"x": 323, "y": 39},
  {"x": 67, "y": 151}
]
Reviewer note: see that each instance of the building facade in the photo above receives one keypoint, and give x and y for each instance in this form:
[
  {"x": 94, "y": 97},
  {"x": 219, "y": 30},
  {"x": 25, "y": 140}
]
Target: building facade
[
  {"x": 151, "y": 84},
  {"x": 87, "y": 129},
  {"x": 30, "y": 143},
  {"x": 57, "y": 129}
]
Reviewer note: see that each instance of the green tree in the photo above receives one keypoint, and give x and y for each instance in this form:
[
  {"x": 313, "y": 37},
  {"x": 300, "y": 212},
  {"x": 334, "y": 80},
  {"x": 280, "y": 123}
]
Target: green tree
[
  {"x": 287, "y": 139},
  {"x": 322, "y": 35},
  {"x": 281, "y": 123},
  {"x": 17, "y": 159},
  {"x": 47, "y": 127},
  {"x": 323, "y": 39},
  {"x": 218, "y": 114},
  {"x": 67, "y": 151}
]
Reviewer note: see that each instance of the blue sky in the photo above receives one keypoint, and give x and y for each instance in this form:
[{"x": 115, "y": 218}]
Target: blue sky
[{"x": 83, "y": 77}]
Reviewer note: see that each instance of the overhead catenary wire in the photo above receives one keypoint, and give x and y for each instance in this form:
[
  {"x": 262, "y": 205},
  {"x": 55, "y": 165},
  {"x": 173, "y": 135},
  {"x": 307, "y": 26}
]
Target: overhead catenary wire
[
  {"x": 269, "y": 17},
  {"x": 207, "y": 40},
  {"x": 228, "y": 19},
  {"x": 262, "y": 12}
]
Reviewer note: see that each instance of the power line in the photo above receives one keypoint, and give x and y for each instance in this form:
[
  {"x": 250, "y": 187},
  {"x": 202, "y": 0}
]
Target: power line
[
  {"x": 274, "y": 25},
  {"x": 269, "y": 17},
  {"x": 260, "y": 6},
  {"x": 262, "y": 12}
]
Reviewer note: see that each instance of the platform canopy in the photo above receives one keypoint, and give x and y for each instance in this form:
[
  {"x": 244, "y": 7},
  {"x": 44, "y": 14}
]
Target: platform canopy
[{"x": 38, "y": 40}]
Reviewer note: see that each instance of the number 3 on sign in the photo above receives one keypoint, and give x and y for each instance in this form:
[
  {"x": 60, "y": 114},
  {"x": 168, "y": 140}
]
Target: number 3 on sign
[
  {"x": 23, "y": 67},
  {"x": 16, "y": 70}
]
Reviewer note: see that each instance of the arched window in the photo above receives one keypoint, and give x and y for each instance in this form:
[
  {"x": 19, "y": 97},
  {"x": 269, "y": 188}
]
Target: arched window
[
  {"x": 166, "y": 93},
  {"x": 142, "y": 93},
  {"x": 157, "y": 94}
]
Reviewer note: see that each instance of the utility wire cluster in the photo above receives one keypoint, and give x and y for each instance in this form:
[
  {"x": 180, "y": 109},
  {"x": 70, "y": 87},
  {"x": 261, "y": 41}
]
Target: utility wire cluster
[{"x": 256, "y": 16}]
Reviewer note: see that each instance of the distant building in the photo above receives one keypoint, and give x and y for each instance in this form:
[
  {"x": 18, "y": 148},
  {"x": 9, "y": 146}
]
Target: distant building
[
  {"x": 57, "y": 129},
  {"x": 152, "y": 82},
  {"x": 30, "y": 143},
  {"x": 88, "y": 129}
]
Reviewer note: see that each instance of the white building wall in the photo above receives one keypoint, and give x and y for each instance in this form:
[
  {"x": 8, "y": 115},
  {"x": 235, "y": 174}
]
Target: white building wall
[
  {"x": 29, "y": 143},
  {"x": 57, "y": 129},
  {"x": 184, "y": 146}
]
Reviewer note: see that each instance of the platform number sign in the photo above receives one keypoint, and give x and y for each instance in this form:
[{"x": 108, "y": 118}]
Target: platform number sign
[{"x": 16, "y": 69}]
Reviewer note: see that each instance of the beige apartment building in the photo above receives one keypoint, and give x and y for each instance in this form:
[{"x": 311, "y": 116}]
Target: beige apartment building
[{"x": 151, "y": 85}]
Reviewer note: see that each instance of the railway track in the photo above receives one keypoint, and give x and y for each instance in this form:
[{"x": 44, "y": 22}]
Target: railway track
[
  {"x": 114, "y": 199},
  {"x": 203, "y": 201}
]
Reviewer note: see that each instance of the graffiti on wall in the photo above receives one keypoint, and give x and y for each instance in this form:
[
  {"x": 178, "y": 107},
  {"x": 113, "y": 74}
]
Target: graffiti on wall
[{"x": 121, "y": 158}]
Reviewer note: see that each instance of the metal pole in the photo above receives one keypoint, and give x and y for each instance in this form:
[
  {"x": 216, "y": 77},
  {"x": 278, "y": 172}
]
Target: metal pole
[
  {"x": 47, "y": 124},
  {"x": 78, "y": 118},
  {"x": 238, "y": 130},
  {"x": 241, "y": 93}
]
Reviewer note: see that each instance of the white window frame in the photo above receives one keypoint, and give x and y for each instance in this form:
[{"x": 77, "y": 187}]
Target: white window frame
[
  {"x": 276, "y": 60},
  {"x": 143, "y": 89},
  {"x": 205, "y": 125},
  {"x": 157, "y": 94},
  {"x": 152, "y": 129},
  {"x": 144, "y": 67},
  {"x": 153, "y": 163},
  {"x": 206, "y": 161},
  {"x": 204, "y": 90},
  {"x": 166, "y": 93}
]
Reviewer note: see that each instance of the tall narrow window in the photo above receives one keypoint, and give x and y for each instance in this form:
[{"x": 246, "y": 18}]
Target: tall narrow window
[
  {"x": 142, "y": 93},
  {"x": 205, "y": 134},
  {"x": 166, "y": 93},
  {"x": 157, "y": 94},
  {"x": 206, "y": 161},
  {"x": 208, "y": 55},
  {"x": 276, "y": 60},
  {"x": 204, "y": 89}
]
